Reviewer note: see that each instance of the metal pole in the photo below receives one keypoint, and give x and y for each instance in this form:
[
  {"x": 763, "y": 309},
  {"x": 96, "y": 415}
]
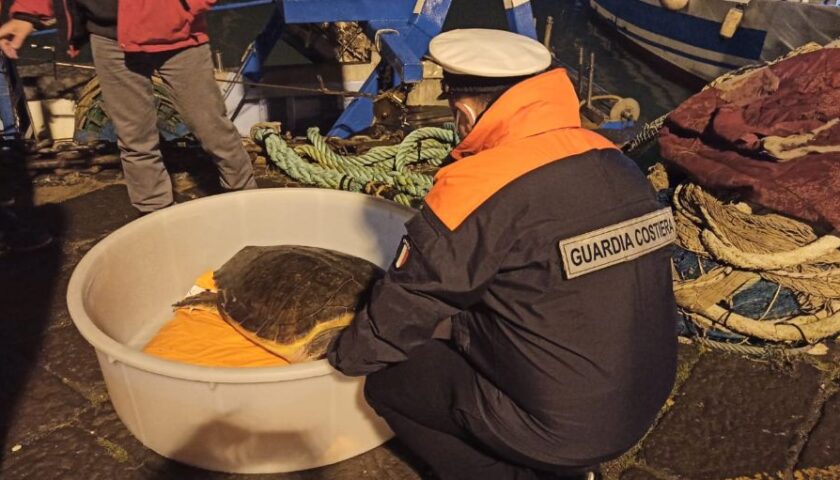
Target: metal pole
[
  {"x": 75, "y": 65},
  {"x": 218, "y": 64},
  {"x": 580, "y": 73},
  {"x": 549, "y": 26},
  {"x": 591, "y": 79}
]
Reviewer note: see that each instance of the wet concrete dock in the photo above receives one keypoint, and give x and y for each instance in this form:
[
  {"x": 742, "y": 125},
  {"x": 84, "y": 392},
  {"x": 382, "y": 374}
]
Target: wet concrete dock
[{"x": 729, "y": 417}]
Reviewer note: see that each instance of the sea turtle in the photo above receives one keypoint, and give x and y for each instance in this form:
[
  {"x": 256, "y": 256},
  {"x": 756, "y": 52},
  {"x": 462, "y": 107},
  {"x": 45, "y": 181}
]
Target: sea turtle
[{"x": 291, "y": 300}]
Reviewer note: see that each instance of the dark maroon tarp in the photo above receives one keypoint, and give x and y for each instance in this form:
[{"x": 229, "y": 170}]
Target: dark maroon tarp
[{"x": 715, "y": 137}]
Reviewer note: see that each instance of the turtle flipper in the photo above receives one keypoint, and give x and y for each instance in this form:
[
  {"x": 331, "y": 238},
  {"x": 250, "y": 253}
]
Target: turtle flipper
[
  {"x": 317, "y": 348},
  {"x": 204, "y": 299}
]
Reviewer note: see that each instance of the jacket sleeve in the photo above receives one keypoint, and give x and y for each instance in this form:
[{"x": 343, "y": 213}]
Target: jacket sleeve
[
  {"x": 440, "y": 276},
  {"x": 37, "y": 12},
  {"x": 200, "y": 6}
]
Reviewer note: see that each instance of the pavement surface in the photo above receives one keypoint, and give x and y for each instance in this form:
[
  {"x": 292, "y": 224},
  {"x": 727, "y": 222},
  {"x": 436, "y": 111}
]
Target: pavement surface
[{"x": 729, "y": 416}]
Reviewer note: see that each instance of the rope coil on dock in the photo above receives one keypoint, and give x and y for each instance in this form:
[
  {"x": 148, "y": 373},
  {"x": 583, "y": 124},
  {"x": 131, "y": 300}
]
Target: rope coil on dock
[
  {"x": 747, "y": 258},
  {"x": 382, "y": 171}
]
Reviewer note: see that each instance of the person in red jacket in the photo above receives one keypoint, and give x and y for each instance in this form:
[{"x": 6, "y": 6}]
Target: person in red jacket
[{"x": 130, "y": 40}]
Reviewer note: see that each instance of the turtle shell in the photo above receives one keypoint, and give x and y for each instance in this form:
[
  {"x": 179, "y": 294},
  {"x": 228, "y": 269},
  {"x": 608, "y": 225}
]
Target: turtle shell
[{"x": 293, "y": 296}]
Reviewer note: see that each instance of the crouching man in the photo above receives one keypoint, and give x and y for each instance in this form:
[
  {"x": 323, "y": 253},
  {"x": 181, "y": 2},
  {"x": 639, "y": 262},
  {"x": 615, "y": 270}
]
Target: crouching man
[{"x": 549, "y": 252}]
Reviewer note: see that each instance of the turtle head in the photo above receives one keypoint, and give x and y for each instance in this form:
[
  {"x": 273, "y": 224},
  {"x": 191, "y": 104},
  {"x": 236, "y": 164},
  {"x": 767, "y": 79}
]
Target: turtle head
[{"x": 205, "y": 299}]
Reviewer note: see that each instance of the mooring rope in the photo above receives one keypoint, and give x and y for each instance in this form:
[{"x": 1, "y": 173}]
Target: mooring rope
[
  {"x": 380, "y": 166},
  {"x": 746, "y": 248},
  {"x": 648, "y": 132},
  {"x": 752, "y": 350}
]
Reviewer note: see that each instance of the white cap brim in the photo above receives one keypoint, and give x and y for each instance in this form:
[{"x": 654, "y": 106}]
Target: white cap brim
[{"x": 490, "y": 53}]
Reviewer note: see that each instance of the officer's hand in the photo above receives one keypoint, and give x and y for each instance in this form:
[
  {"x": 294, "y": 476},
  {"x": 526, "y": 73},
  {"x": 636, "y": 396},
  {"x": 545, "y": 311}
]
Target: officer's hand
[{"x": 12, "y": 35}]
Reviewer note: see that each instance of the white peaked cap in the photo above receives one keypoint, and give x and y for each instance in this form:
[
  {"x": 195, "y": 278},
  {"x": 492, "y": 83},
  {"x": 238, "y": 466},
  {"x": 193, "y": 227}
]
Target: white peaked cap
[{"x": 484, "y": 52}]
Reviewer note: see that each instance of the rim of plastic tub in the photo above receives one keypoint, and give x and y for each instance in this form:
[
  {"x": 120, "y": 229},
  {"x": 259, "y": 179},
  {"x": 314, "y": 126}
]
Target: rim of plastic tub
[{"x": 117, "y": 352}]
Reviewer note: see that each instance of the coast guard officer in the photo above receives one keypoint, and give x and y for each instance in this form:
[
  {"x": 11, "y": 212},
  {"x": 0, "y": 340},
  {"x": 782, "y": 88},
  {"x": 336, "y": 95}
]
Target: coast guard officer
[{"x": 549, "y": 252}]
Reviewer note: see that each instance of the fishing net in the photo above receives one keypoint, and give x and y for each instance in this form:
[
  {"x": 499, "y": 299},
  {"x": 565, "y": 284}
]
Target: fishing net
[
  {"x": 747, "y": 278},
  {"x": 93, "y": 124},
  {"x": 750, "y": 276}
]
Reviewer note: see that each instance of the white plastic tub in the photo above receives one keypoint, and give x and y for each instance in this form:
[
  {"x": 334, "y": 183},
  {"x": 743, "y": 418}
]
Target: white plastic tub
[{"x": 254, "y": 420}]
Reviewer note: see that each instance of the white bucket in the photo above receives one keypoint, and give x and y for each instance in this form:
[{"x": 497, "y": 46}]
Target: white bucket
[
  {"x": 253, "y": 420},
  {"x": 53, "y": 119}
]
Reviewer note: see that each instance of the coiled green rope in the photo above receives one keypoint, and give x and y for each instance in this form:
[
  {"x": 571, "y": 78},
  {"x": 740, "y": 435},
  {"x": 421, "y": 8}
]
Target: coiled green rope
[{"x": 383, "y": 166}]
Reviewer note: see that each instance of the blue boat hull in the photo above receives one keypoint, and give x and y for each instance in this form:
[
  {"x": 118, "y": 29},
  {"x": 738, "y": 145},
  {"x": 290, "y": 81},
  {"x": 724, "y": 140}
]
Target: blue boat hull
[{"x": 690, "y": 38}]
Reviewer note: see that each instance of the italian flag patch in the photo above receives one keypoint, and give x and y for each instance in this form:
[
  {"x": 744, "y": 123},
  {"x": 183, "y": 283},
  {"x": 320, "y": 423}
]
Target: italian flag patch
[{"x": 402, "y": 253}]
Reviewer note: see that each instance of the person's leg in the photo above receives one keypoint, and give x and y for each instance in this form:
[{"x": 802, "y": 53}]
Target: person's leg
[
  {"x": 189, "y": 75},
  {"x": 130, "y": 104},
  {"x": 19, "y": 233},
  {"x": 419, "y": 399},
  {"x": 450, "y": 457}
]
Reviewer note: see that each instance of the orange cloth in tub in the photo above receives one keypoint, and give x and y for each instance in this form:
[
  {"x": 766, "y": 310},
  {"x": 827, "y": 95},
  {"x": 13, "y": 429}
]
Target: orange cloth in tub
[
  {"x": 206, "y": 281},
  {"x": 200, "y": 336}
]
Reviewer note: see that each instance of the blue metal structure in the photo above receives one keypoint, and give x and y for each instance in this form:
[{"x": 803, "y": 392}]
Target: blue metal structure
[
  {"x": 401, "y": 29},
  {"x": 520, "y": 17},
  {"x": 8, "y": 119}
]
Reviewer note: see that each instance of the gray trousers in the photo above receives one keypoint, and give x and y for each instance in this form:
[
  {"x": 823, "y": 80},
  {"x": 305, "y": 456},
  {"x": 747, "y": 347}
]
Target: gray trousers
[{"x": 129, "y": 101}]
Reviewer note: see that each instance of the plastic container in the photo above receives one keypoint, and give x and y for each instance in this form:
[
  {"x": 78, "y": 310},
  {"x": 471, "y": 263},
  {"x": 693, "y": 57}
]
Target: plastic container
[{"x": 254, "y": 420}]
